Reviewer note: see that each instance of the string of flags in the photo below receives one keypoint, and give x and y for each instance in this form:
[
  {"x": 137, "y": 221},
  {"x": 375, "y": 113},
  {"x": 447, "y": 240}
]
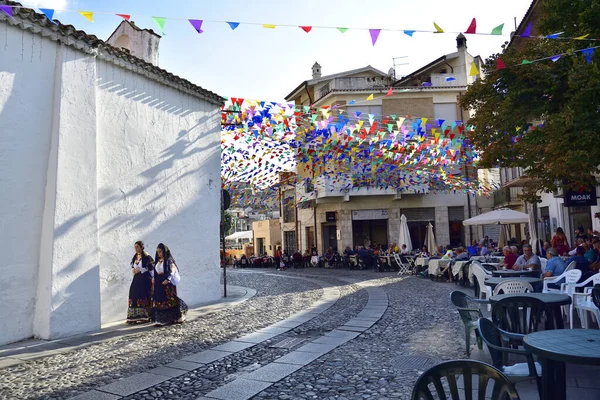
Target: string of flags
[{"x": 374, "y": 33}]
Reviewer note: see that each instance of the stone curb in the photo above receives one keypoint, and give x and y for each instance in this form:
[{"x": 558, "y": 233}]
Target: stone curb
[{"x": 20, "y": 352}]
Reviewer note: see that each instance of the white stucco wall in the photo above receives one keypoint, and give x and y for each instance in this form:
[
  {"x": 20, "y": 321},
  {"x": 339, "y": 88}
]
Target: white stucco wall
[
  {"x": 26, "y": 96},
  {"x": 159, "y": 181},
  {"x": 95, "y": 157}
]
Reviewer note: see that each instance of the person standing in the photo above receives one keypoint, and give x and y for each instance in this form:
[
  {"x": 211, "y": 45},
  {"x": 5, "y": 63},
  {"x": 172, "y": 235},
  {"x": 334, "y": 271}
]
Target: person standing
[
  {"x": 560, "y": 243},
  {"x": 141, "y": 286},
  {"x": 167, "y": 308}
]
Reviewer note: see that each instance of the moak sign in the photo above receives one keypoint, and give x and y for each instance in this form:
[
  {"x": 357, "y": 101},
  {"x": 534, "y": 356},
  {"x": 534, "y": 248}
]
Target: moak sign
[{"x": 574, "y": 198}]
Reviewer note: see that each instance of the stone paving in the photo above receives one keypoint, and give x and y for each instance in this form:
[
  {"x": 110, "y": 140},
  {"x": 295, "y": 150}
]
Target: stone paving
[{"x": 307, "y": 334}]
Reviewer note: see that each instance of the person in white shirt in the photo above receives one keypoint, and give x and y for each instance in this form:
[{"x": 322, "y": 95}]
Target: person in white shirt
[
  {"x": 574, "y": 251},
  {"x": 404, "y": 250},
  {"x": 167, "y": 308}
]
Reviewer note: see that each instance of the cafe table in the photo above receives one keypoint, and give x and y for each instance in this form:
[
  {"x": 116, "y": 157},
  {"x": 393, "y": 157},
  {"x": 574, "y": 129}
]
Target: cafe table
[
  {"x": 553, "y": 302},
  {"x": 435, "y": 266},
  {"x": 556, "y": 348},
  {"x": 493, "y": 282},
  {"x": 511, "y": 273}
]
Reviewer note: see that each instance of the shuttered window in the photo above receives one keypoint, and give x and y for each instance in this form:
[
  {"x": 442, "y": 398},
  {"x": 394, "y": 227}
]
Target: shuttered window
[
  {"x": 419, "y": 214},
  {"x": 456, "y": 213}
]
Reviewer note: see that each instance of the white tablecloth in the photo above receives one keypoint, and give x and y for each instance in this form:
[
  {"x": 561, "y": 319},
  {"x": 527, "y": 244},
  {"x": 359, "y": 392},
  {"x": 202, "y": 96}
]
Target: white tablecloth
[
  {"x": 457, "y": 268},
  {"x": 435, "y": 266},
  {"x": 422, "y": 261}
]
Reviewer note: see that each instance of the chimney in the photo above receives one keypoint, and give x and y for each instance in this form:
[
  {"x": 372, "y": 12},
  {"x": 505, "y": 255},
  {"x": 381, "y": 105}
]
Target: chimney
[
  {"x": 316, "y": 71},
  {"x": 141, "y": 43},
  {"x": 461, "y": 42}
]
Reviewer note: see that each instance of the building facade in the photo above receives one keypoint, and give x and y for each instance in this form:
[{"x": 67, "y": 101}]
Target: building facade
[
  {"x": 326, "y": 217},
  {"x": 267, "y": 236},
  {"x": 99, "y": 149}
]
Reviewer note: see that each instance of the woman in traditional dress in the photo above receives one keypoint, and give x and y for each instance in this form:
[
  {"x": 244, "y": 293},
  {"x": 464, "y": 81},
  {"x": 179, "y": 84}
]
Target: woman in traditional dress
[
  {"x": 141, "y": 285},
  {"x": 167, "y": 308}
]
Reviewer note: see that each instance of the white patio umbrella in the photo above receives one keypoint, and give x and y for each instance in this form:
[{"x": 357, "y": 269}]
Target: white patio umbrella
[
  {"x": 534, "y": 240},
  {"x": 404, "y": 234},
  {"x": 430, "y": 240},
  {"x": 503, "y": 216}
]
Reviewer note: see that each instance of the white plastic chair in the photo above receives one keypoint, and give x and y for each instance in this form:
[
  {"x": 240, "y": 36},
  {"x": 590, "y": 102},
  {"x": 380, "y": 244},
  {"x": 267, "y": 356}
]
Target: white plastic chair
[
  {"x": 403, "y": 268},
  {"x": 485, "y": 271},
  {"x": 583, "y": 303},
  {"x": 484, "y": 291},
  {"x": 511, "y": 287},
  {"x": 571, "y": 265},
  {"x": 570, "y": 272},
  {"x": 544, "y": 262}
]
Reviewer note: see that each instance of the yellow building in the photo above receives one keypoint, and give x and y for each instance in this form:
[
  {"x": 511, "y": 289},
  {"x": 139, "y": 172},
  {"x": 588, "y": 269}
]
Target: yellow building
[
  {"x": 267, "y": 236},
  {"x": 328, "y": 217}
]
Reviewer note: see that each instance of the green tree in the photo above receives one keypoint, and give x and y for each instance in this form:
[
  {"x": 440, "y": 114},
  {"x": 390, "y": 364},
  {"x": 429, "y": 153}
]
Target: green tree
[
  {"x": 227, "y": 222},
  {"x": 562, "y": 95}
]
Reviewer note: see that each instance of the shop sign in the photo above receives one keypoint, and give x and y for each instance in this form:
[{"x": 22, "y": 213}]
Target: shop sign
[
  {"x": 363, "y": 215},
  {"x": 574, "y": 198},
  {"x": 330, "y": 216}
]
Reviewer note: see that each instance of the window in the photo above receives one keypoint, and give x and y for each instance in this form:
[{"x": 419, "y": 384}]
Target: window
[
  {"x": 289, "y": 206},
  {"x": 289, "y": 242}
]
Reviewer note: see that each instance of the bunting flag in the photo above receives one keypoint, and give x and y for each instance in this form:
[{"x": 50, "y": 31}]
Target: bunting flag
[
  {"x": 588, "y": 54},
  {"x": 555, "y": 58},
  {"x": 343, "y": 30},
  {"x": 500, "y": 64},
  {"x": 474, "y": 71},
  {"x": 126, "y": 17},
  {"x": 370, "y": 97},
  {"x": 88, "y": 15},
  {"x": 409, "y": 33},
  {"x": 306, "y": 28},
  {"x": 49, "y": 13},
  {"x": 582, "y": 37},
  {"x": 525, "y": 62},
  {"x": 390, "y": 92},
  {"x": 437, "y": 28},
  {"x": 498, "y": 30},
  {"x": 268, "y": 26},
  {"x": 374, "y": 35},
  {"x": 160, "y": 22},
  {"x": 7, "y": 10},
  {"x": 472, "y": 29},
  {"x": 197, "y": 24},
  {"x": 527, "y": 31},
  {"x": 233, "y": 25},
  {"x": 554, "y": 35}
]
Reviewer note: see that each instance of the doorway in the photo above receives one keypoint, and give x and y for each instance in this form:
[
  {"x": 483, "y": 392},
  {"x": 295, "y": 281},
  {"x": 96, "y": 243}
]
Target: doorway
[
  {"x": 329, "y": 237},
  {"x": 369, "y": 232},
  {"x": 310, "y": 237}
]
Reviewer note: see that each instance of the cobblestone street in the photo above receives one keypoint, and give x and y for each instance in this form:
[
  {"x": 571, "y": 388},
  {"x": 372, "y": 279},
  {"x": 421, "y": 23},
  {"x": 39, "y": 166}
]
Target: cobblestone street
[{"x": 363, "y": 327}]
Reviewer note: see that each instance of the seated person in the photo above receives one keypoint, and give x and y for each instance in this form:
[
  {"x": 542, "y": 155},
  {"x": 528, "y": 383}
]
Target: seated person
[
  {"x": 329, "y": 258},
  {"x": 578, "y": 244},
  {"x": 581, "y": 263},
  {"x": 297, "y": 259},
  {"x": 366, "y": 257},
  {"x": 472, "y": 249},
  {"x": 590, "y": 252},
  {"x": 510, "y": 258},
  {"x": 405, "y": 251},
  {"x": 555, "y": 267},
  {"x": 528, "y": 260},
  {"x": 243, "y": 261},
  {"x": 483, "y": 251},
  {"x": 424, "y": 252}
]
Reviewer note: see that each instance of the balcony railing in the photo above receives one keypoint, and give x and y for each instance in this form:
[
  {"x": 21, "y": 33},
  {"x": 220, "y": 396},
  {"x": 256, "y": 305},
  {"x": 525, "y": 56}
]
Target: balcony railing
[
  {"x": 354, "y": 83},
  {"x": 508, "y": 196}
]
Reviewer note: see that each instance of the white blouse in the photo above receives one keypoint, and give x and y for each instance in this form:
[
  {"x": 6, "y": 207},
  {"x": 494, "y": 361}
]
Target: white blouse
[
  {"x": 160, "y": 269},
  {"x": 138, "y": 263}
]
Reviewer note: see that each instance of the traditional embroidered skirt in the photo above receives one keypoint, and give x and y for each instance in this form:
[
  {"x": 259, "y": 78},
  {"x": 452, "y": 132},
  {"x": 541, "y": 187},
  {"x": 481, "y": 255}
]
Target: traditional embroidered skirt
[
  {"x": 139, "y": 298},
  {"x": 166, "y": 306}
]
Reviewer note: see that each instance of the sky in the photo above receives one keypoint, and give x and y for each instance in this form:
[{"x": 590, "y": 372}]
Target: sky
[{"x": 267, "y": 64}]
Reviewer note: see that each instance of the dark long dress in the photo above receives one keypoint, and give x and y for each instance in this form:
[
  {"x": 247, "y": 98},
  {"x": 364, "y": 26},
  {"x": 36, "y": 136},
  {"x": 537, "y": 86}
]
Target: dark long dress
[
  {"x": 140, "y": 291},
  {"x": 167, "y": 308}
]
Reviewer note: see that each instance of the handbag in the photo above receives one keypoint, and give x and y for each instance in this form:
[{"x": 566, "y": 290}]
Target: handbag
[{"x": 175, "y": 277}]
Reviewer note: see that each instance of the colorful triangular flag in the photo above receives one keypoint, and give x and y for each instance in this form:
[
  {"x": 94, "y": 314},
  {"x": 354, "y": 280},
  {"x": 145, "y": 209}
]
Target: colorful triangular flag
[
  {"x": 588, "y": 54},
  {"x": 306, "y": 28},
  {"x": 555, "y": 58},
  {"x": 554, "y": 35},
  {"x": 525, "y": 61},
  {"x": 390, "y": 92},
  {"x": 472, "y": 29},
  {"x": 49, "y": 13},
  {"x": 268, "y": 26},
  {"x": 233, "y": 25},
  {"x": 343, "y": 30},
  {"x": 197, "y": 24},
  {"x": 370, "y": 97},
  {"x": 409, "y": 33},
  {"x": 437, "y": 28},
  {"x": 474, "y": 71},
  {"x": 126, "y": 17},
  {"x": 498, "y": 30},
  {"x": 160, "y": 22},
  {"x": 88, "y": 15},
  {"x": 7, "y": 10},
  {"x": 500, "y": 64},
  {"x": 374, "y": 35},
  {"x": 582, "y": 37},
  {"x": 527, "y": 31}
]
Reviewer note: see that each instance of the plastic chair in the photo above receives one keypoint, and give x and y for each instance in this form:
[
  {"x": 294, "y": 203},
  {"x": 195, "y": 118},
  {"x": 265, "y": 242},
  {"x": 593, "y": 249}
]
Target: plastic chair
[
  {"x": 511, "y": 287},
  {"x": 495, "y": 338},
  {"x": 469, "y": 316},
  {"x": 472, "y": 372},
  {"x": 519, "y": 315},
  {"x": 403, "y": 265},
  {"x": 480, "y": 276},
  {"x": 584, "y": 302},
  {"x": 544, "y": 262},
  {"x": 570, "y": 276}
]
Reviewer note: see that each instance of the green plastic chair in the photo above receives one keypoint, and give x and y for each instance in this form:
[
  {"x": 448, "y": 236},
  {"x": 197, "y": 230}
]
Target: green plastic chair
[
  {"x": 469, "y": 314},
  {"x": 484, "y": 374}
]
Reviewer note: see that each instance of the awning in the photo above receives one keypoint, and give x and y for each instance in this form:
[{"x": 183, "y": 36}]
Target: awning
[
  {"x": 240, "y": 235},
  {"x": 503, "y": 216}
]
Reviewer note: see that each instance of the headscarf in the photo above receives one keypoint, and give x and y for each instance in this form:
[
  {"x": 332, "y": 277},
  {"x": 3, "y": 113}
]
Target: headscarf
[{"x": 168, "y": 259}]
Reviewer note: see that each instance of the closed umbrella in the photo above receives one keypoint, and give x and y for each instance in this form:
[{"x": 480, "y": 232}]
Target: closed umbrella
[
  {"x": 532, "y": 232},
  {"x": 430, "y": 240},
  {"x": 502, "y": 239},
  {"x": 404, "y": 234}
]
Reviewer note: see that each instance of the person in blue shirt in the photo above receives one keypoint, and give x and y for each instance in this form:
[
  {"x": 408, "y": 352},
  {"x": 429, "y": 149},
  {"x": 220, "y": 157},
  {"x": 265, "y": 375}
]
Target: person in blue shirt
[
  {"x": 590, "y": 253},
  {"x": 555, "y": 267},
  {"x": 581, "y": 263},
  {"x": 472, "y": 249}
]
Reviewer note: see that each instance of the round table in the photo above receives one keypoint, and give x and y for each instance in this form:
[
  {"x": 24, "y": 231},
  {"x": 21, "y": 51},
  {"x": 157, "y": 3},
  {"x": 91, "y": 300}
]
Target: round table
[
  {"x": 493, "y": 282},
  {"x": 511, "y": 273},
  {"x": 553, "y": 301},
  {"x": 556, "y": 348}
]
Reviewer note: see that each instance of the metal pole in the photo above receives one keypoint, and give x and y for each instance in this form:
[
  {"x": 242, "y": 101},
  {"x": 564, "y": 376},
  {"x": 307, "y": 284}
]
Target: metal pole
[{"x": 467, "y": 176}]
